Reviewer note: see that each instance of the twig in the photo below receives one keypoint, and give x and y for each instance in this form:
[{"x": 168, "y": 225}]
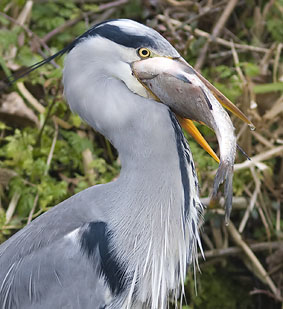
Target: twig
[
  {"x": 217, "y": 55},
  {"x": 61, "y": 28},
  {"x": 50, "y": 155},
  {"x": 104, "y": 16},
  {"x": 63, "y": 124},
  {"x": 267, "y": 210},
  {"x": 268, "y": 293},
  {"x": 25, "y": 12},
  {"x": 30, "y": 98},
  {"x": 12, "y": 206},
  {"x": 278, "y": 212},
  {"x": 87, "y": 160},
  {"x": 236, "y": 250},
  {"x": 276, "y": 109},
  {"x": 242, "y": 130},
  {"x": 171, "y": 27},
  {"x": 33, "y": 208},
  {"x": 239, "y": 202},
  {"x": 276, "y": 62},
  {"x": 265, "y": 61},
  {"x": 258, "y": 269},
  {"x": 215, "y": 228},
  {"x": 217, "y": 40},
  {"x": 12, "y": 227},
  {"x": 180, "y": 3},
  {"x": 207, "y": 241},
  {"x": 261, "y": 213},
  {"x": 237, "y": 64},
  {"x": 216, "y": 31},
  {"x": 20, "y": 21},
  {"x": 47, "y": 115},
  {"x": 258, "y": 158},
  {"x": 28, "y": 31},
  {"x": 109, "y": 5},
  {"x": 5, "y": 175},
  {"x": 264, "y": 221},
  {"x": 214, "y": 10},
  {"x": 262, "y": 140},
  {"x": 252, "y": 200},
  {"x": 72, "y": 22},
  {"x": 41, "y": 109}
]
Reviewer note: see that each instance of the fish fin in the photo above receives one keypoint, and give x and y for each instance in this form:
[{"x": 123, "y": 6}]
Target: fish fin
[
  {"x": 181, "y": 77},
  {"x": 243, "y": 152}
]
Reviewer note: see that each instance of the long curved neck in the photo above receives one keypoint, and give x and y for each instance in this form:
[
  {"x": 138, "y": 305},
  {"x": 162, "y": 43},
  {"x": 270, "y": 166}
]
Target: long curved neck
[
  {"x": 151, "y": 173},
  {"x": 148, "y": 150},
  {"x": 150, "y": 204},
  {"x": 153, "y": 206},
  {"x": 156, "y": 201}
]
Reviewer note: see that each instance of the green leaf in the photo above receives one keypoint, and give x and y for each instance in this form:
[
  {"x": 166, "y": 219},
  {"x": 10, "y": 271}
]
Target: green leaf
[
  {"x": 274, "y": 21},
  {"x": 251, "y": 69},
  {"x": 264, "y": 88}
]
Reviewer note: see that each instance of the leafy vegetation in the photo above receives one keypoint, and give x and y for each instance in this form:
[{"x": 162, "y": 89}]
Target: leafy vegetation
[{"x": 47, "y": 153}]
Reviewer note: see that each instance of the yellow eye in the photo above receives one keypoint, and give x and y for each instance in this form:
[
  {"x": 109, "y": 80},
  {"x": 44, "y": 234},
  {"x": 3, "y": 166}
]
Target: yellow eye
[{"x": 144, "y": 52}]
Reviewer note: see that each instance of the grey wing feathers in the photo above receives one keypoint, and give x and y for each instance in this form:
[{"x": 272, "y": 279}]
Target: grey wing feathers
[
  {"x": 56, "y": 276},
  {"x": 43, "y": 265}
]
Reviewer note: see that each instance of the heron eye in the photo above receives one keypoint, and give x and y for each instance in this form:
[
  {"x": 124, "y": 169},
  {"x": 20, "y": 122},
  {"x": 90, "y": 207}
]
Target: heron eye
[{"x": 144, "y": 52}]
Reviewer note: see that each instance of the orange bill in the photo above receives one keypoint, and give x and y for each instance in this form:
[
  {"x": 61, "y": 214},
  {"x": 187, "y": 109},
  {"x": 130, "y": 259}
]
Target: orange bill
[{"x": 189, "y": 127}]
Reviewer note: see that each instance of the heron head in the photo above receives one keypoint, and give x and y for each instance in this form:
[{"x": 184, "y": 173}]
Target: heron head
[
  {"x": 108, "y": 51},
  {"x": 139, "y": 58}
]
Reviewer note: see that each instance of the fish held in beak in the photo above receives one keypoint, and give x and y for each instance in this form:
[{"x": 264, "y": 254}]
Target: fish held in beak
[{"x": 176, "y": 84}]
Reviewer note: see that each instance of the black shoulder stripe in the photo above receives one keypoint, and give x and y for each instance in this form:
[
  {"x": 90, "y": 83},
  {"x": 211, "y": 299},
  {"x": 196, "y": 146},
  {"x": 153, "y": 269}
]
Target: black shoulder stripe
[
  {"x": 96, "y": 236},
  {"x": 182, "y": 161}
]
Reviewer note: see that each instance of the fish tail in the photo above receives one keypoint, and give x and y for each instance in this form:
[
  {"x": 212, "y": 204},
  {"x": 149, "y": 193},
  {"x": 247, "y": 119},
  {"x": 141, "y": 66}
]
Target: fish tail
[{"x": 225, "y": 173}]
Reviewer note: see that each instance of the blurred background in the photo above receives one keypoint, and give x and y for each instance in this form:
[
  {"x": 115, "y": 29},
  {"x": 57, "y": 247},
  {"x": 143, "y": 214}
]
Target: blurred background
[{"x": 48, "y": 154}]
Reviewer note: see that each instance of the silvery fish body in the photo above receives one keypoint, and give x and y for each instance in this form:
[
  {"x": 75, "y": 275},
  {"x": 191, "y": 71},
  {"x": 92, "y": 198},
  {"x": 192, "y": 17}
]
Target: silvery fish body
[{"x": 177, "y": 85}]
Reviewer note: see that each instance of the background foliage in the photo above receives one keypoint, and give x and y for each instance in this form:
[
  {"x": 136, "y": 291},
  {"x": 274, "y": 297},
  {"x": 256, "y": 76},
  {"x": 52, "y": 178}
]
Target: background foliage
[{"x": 48, "y": 154}]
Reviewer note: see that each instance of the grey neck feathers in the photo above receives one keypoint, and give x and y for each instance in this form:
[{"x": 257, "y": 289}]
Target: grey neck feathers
[
  {"x": 158, "y": 207},
  {"x": 154, "y": 207}
]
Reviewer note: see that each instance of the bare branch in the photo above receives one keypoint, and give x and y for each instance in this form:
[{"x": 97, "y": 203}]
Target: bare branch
[
  {"x": 216, "y": 31},
  {"x": 217, "y": 40}
]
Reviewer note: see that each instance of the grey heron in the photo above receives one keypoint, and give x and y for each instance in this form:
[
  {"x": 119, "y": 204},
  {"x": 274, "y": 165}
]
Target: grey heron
[{"x": 125, "y": 244}]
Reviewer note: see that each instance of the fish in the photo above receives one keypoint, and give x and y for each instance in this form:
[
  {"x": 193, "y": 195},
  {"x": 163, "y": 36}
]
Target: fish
[{"x": 178, "y": 85}]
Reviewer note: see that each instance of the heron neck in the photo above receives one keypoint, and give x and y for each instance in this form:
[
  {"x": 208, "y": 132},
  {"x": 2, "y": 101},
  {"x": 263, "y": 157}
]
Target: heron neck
[
  {"x": 153, "y": 228},
  {"x": 153, "y": 206},
  {"x": 148, "y": 150},
  {"x": 152, "y": 209}
]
